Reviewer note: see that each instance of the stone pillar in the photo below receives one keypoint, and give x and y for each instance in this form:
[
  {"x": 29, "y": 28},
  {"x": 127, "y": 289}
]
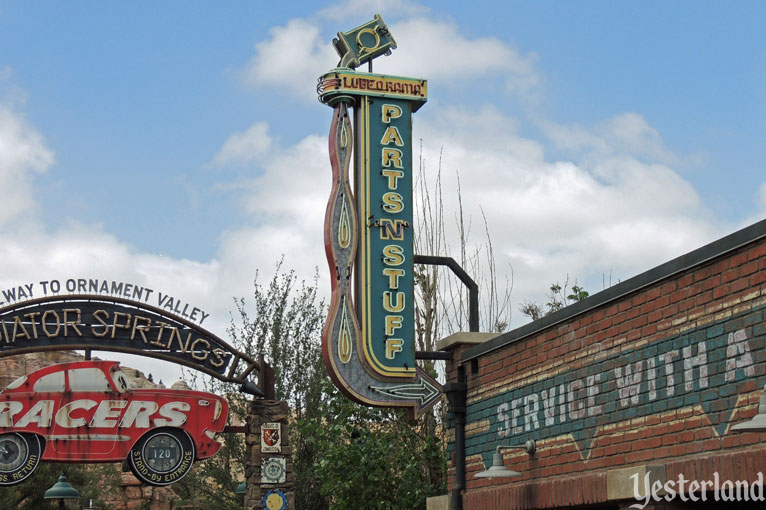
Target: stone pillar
[{"x": 268, "y": 470}]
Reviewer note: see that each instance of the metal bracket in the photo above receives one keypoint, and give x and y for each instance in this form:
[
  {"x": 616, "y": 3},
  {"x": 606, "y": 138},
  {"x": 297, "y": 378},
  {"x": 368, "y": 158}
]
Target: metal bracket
[{"x": 473, "y": 288}]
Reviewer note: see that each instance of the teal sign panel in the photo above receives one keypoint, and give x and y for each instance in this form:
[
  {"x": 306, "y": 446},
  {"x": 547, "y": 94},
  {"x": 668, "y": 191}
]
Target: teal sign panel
[{"x": 385, "y": 280}]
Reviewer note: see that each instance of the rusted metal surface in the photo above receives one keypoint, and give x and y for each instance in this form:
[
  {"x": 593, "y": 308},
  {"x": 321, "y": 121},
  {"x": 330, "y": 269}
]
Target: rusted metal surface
[{"x": 86, "y": 412}]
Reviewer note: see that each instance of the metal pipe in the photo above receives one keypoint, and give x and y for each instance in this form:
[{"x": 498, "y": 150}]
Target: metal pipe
[
  {"x": 473, "y": 288},
  {"x": 456, "y": 395},
  {"x": 457, "y": 392},
  {"x": 433, "y": 355}
]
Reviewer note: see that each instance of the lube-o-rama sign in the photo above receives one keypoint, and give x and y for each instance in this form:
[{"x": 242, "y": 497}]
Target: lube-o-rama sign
[{"x": 369, "y": 336}]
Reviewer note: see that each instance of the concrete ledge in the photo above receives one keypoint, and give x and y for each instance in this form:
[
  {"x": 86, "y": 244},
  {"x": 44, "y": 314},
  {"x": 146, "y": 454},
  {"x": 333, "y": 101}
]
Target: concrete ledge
[
  {"x": 630, "y": 483},
  {"x": 464, "y": 338},
  {"x": 438, "y": 503}
]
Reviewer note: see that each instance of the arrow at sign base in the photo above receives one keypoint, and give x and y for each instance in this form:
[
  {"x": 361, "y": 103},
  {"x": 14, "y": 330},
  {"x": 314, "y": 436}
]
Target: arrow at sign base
[{"x": 424, "y": 391}]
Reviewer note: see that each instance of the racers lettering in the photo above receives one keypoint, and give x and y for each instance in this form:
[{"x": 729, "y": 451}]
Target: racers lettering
[{"x": 140, "y": 414}]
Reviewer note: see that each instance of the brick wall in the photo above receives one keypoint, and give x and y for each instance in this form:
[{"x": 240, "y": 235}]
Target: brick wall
[{"x": 651, "y": 372}]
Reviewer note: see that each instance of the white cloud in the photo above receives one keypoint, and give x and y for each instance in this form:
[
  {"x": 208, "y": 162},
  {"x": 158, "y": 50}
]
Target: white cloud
[
  {"x": 245, "y": 147},
  {"x": 631, "y": 133},
  {"x": 626, "y": 133},
  {"x": 291, "y": 59},
  {"x": 33, "y": 255},
  {"x": 284, "y": 208},
  {"x": 438, "y": 52},
  {"x": 295, "y": 55},
  {"x": 23, "y": 154},
  {"x": 613, "y": 213},
  {"x": 285, "y": 204}
]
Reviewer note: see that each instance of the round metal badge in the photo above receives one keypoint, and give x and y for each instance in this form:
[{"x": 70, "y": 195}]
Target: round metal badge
[{"x": 275, "y": 500}]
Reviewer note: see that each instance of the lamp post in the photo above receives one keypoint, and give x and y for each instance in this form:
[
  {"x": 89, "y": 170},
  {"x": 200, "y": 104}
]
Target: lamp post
[
  {"x": 62, "y": 490},
  {"x": 241, "y": 489}
]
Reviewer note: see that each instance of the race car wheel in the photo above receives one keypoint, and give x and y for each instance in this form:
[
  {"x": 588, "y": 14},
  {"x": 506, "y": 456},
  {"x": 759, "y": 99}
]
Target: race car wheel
[
  {"x": 162, "y": 456},
  {"x": 19, "y": 456}
]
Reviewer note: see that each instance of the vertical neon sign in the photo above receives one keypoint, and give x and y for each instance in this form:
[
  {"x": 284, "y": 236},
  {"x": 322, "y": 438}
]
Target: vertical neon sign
[{"x": 369, "y": 349}]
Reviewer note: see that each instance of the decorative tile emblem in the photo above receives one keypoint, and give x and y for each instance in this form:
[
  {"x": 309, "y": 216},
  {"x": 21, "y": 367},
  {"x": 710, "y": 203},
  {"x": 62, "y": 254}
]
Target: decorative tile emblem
[
  {"x": 271, "y": 438},
  {"x": 275, "y": 500},
  {"x": 273, "y": 470}
]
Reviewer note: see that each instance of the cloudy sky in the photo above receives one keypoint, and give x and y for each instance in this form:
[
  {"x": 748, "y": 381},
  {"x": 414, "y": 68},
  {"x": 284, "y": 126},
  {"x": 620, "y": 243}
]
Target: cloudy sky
[{"x": 180, "y": 145}]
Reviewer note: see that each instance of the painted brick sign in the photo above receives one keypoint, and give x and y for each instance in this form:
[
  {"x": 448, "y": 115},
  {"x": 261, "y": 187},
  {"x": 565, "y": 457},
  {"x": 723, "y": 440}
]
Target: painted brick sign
[
  {"x": 650, "y": 374},
  {"x": 701, "y": 367}
]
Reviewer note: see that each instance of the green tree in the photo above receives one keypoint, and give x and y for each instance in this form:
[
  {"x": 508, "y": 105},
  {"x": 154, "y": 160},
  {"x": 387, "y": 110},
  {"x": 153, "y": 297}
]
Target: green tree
[
  {"x": 283, "y": 320},
  {"x": 211, "y": 484},
  {"x": 376, "y": 458},
  {"x": 558, "y": 298},
  {"x": 344, "y": 455}
]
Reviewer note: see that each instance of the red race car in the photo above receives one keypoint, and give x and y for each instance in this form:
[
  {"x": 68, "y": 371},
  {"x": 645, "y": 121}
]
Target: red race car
[{"x": 86, "y": 412}]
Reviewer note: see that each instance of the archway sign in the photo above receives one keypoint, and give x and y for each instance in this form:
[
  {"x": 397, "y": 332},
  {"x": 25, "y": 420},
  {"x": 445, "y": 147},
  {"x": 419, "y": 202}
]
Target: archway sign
[
  {"x": 117, "y": 324},
  {"x": 369, "y": 342},
  {"x": 85, "y": 411}
]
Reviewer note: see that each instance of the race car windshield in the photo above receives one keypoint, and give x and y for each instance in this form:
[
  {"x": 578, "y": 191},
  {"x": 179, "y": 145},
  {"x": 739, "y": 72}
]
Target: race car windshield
[
  {"x": 120, "y": 381},
  {"x": 88, "y": 379},
  {"x": 17, "y": 383}
]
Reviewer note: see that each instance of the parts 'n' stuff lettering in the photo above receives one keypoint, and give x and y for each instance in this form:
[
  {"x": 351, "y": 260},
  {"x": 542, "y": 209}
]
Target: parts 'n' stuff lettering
[{"x": 392, "y": 225}]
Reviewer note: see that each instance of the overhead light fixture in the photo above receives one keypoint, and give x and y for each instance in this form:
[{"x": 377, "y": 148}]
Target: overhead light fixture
[
  {"x": 62, "y": 490},
  {"x": 758, "y": 422},
  {"x": 498, "y": 469}
]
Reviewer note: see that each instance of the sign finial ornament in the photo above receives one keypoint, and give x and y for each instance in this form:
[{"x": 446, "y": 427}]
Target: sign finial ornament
[{"x": 364, "y": 43}]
